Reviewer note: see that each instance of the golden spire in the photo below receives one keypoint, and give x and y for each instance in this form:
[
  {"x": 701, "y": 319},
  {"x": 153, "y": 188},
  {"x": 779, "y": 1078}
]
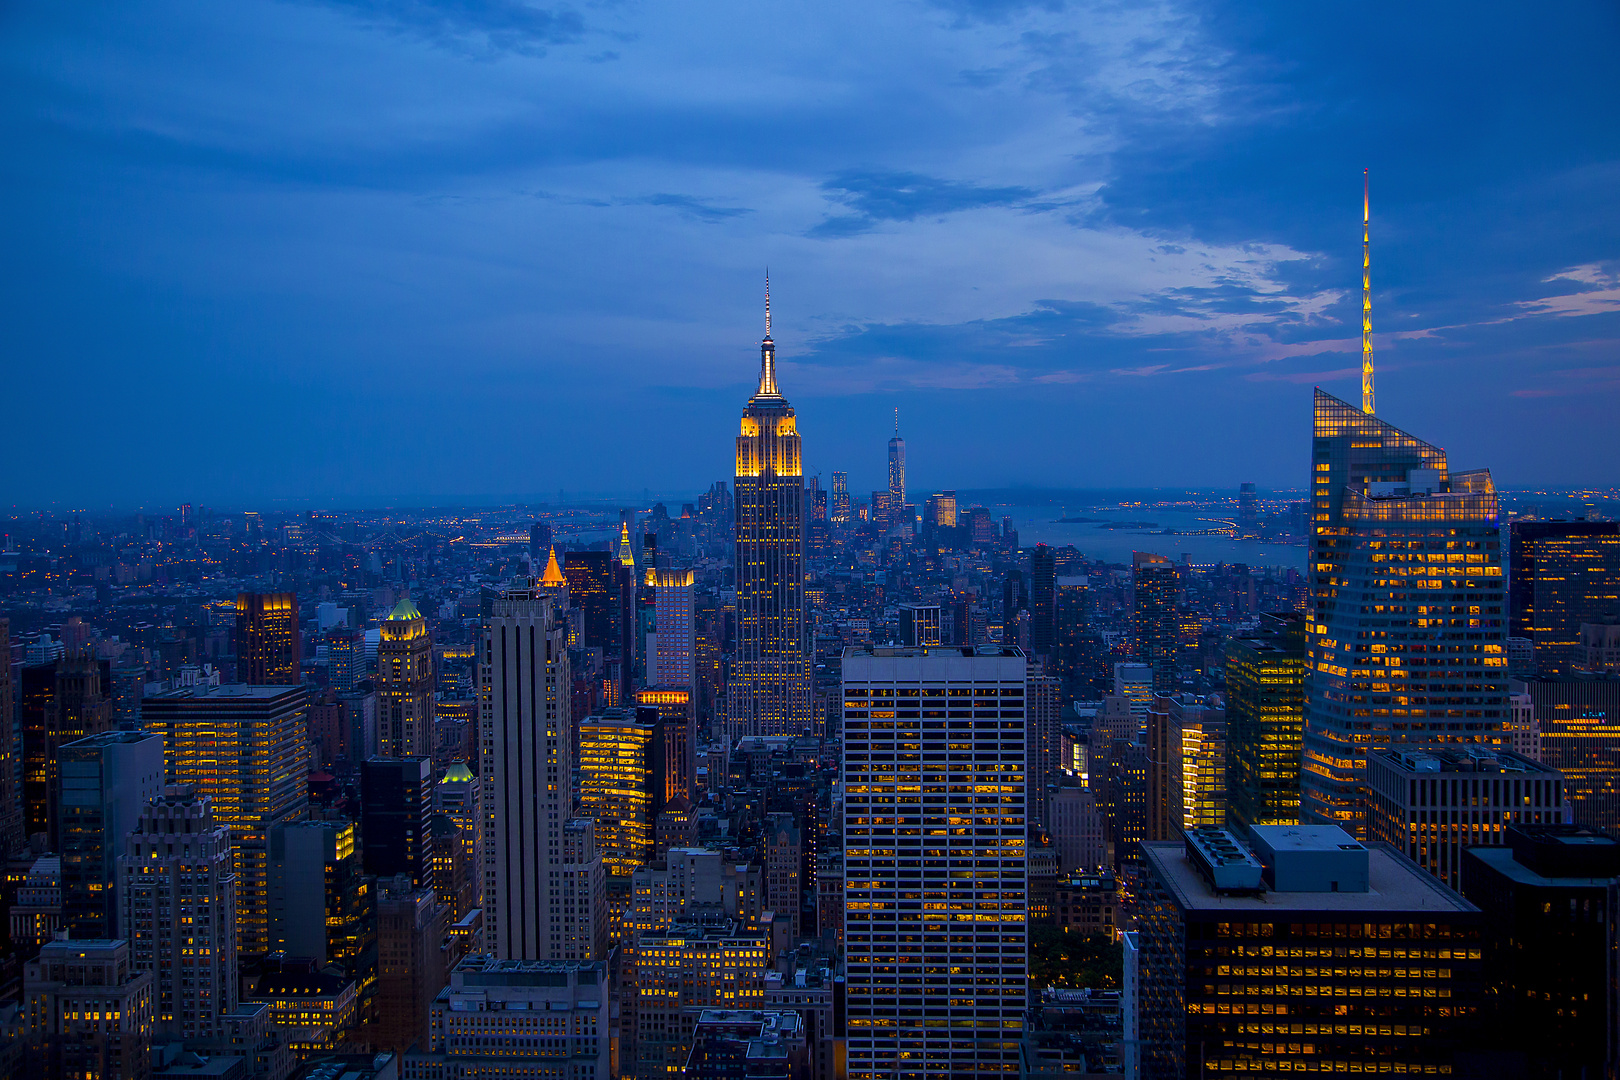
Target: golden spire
[
  {"x": 554, "y": 574},
  {"x": 626, "y": 556},
  {"x": 1366, "y": 298},
  {"x": 767, "y": 351}
]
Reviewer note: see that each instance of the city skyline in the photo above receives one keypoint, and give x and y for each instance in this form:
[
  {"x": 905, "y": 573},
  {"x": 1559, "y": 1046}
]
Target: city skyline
[{"x": 1120, "y": 239}]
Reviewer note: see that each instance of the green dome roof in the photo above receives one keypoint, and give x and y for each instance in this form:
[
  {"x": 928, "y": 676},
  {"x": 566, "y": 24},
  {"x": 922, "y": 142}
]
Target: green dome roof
[
  {"x": 404, "y": 610},
  {"x": 457, "y": 773}
]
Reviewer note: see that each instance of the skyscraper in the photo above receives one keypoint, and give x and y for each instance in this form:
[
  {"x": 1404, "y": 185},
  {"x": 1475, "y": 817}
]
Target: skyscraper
[
  {"x": 177, "y": 908},
  {"x": 770, "y": 691},
  {"x": 615, "y": 790},
  {"x": 1154, "y": 585},
  {"x": 934, "y": 989},
  {"x": 243, "y": 748},
  {"x": 405, "y": 684},
  {"x": 11, "y": 813},
  {"x": 897, "y": 468},
  {"x": 396, "y": 805},
  {"x": 1407, "y": 637},
  {"x": 268, "y": 650},
  {"x": 526, "y": 763},
  {"x": 1042, "y": 600},
  {"x": 1561, "y": 574},
  {"x": 1265, "y": 714},
  {"x": 61, "y": 701},
  {"x": 839, "y": 511},
  {"x": 673, "y": 664},
  {"x": 107, "y": 780}
]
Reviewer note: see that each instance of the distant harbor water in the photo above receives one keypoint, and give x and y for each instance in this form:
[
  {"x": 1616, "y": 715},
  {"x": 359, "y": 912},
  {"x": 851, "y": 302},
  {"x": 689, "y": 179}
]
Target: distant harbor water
[{"x": 1114, "y": 533}]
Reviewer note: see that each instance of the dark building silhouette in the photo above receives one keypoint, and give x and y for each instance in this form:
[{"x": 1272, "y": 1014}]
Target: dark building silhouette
[
  {"x": 396, "y": 810},
  {"x": 1561, "y": 574},
  {"x": 1154, "y": 587},
  {"x": 1042, "y": 600},
  {"x": 61, "y": 702}
]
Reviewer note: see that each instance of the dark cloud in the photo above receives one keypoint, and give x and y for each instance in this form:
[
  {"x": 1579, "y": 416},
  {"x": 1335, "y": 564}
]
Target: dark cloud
[
  {"x": 693, "y": 207},
  {"x": 474, "y": 26},
  {"x": 905, "y": 196}
]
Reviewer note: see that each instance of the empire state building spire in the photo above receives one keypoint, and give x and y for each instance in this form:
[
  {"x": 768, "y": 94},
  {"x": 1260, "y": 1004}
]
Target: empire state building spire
[
  {"x": 1366, "y": 298},
  {"x": 767, "y": 351}
]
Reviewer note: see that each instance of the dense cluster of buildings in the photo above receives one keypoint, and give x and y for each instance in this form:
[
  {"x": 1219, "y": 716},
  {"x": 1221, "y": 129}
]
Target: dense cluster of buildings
[{"x": 798, "y": 784}]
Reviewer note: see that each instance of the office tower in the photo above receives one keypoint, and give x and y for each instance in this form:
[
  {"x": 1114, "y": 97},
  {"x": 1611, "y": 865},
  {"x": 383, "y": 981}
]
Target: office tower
[
  {"x": 459, "y": 796},
  {"x": 583, "y": 899},
  {"x": 1042, "y": 600},
  {"x": 674, "y": 758},
  {"x": 1014, "y": 598},
  {"x": 688, "y": 885},
  {"x": 454, "y": 882},
  {"x": 61, "y": 701},
  {"x": 177, "y": 907},
  {"x": 11, "y": 810},
  {"x": 1407, "y": 638},
  {"x": 840, "y": 497},
  {"x": 882, "y": 510},
  {"x": 107, "y": 780},
  {"x": 615, "y": 790},
  {"x": 268, "y": 649},
  {"x": 518, "y": 1020},
  {"x": 1163, "y": 772},
  {"x": 1597, "y": 647},
  {"x": 36, "y": 911},
  {"x": 1079, "y": 828},
  {"x": 539, "y": 544},
  {"x": 1579, "y": 720},
  {"x": 322, "y": 907},
  {"x": 89, "y": 1012},
  {"x": 910, "y": 824},
  {"x": 1154, "y": 588},
  {"x": 919, "y": 624},
  {"x": 594, "y": 588},
  {"x": 897, "y": 468},
  {"x": 1260, "y": 922},
  {"x": 526, "y": 763},
  {"x": 1044, "y": 700},
  {"x": 411, "y": 924},
  {"x": 1561, "y": 574},
  {"x": 1265, "y": 720},
  {"x": 405, "y": 684},
  {"x": 770, "y": 686},
  {"x": 243, "y": 748},
  {"x": 1072, "y": 611},
  {"x": 1134, "y": 683},
  {"x": 396, "y": 806},
  {"x": 1548, "y": 893},
  {"x": 346, "y": 658},
  {"x": 1431, "y": 802},
  {"x": 1248, "y": 519},
  {"x": 674, "y": 664},
  {"x": 783, "y": 856},
  {"x": 667, "y": 977},
  {"x": 1201, "y": 760}
]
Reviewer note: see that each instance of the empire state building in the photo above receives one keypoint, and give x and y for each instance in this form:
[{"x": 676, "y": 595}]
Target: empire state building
[{"x": 769, "y": 693}]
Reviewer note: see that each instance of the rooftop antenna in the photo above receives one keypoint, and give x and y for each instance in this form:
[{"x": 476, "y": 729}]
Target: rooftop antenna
[{"x": 1366, "y": 298}]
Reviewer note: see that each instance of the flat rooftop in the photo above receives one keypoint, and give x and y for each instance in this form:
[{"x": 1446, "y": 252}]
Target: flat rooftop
[
  {"x": 1502, "y": 861},
  {"x": 1395, "y": 884},
  {"x": 1306, "y": 837},
  {"x": 1420, "y": 761}
]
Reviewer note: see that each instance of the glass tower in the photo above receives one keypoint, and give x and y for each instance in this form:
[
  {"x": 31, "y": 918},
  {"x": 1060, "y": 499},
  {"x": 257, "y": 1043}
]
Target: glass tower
[
  {"x": 1406, "y": 638},
  {"x": 770, "y": 691}
]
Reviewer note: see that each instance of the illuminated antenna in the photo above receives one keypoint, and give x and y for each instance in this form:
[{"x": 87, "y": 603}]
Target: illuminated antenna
[
  {"x": 897, "y": 419},
  {"x": 767, "y": 301},
  {"x": 1366, "y": 298}
]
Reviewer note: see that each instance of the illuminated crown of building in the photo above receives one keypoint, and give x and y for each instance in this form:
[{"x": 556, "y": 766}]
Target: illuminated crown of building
[
  {"x": 1366, "y": 297},
  {"x": 554, "y": 575}
]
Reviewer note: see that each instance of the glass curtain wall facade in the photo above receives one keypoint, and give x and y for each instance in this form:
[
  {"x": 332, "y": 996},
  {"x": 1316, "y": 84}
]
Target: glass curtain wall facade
[
  {"x": 1265, "y": 721},
  {"x": 1407, "y": 635}
]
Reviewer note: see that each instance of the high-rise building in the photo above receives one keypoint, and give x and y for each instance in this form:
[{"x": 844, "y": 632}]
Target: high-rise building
[
  {"x": 1579, "y": 721},
  {"x": 411, "y": 924},
  {"x": 840, "y": 498},
  {"x": 89, "y": 1012},
  {"x": 539, "y": 544},
  {"x": 897, "y": 468},
  {"x": 1432, "y": 802},
  {"x": 1200, "y": 724},
  {"x": 322, "y": 907},
  {"x": 1233, "y": 942},
  {"x": 674, "y": 758},
  {"x": 1561, "y": 574},
  {"x": 459, "y": 795},
  {"x": 177, "y": 907},
  {"x": 770, "y": 687},
  {"x": 615, "y": 790},
  {"x": 1155, "y": 585},
  {"x": 1042, "y": 600},
  {"x": 918, "y": 978},
  {"x": 346, "y": 658},
  {"x": 784, "y": 857},
  {"x": 405, "y": 684},
  {"x": 674, "y": 664},
  {"x": 107, "y": 780},
  {"x": 526, "y": 763},
  {"x": 583, "y": 900},
  {"x": 594, "y": 586},
  {"x": 1044, "y": 700},
  {"x": 244, "y": 749},
  {"x": 1265, "y": 720},
  {"x": 669, "y": 976},
  {"x": 1248, "y": 522},
  {"x": 62, "y": 701},
  {"x": 396, "y": 806},
  {"x": 11, "y": 808},
  {"x": 1407, "y": 637},
  {"x": 518, "y": 1020},
  {"x": 919, "y": 624},
  {"x": 1548, "y": 895},
  {"x": 268, "y": 648}
]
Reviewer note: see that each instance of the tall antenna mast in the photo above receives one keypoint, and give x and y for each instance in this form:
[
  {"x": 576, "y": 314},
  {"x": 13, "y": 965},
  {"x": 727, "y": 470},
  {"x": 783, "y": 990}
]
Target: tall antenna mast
[{"x": 1366, "y": 298}]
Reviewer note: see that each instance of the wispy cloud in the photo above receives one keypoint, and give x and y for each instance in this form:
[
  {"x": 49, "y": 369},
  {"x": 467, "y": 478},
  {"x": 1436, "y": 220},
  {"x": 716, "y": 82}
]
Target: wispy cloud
[
  {"x": 906, "y": 196},
  {"x": 479, "y": 27},
  {"x": 1598, "y": 292}
]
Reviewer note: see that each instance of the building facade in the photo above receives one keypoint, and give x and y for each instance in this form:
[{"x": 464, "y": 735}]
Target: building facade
[
  {"x": 935, "y": 801},
  {"x": 1265, "y": 722},
  {"x": 269, "y": 648},
  {"x": 405, "y": 684},
  {"x": 1561, "y": 574},
  {"x": 107, "y": 780}
]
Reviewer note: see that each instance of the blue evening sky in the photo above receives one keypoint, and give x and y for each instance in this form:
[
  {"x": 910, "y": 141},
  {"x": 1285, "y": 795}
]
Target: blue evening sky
[{"x": 366, "y": 251}]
